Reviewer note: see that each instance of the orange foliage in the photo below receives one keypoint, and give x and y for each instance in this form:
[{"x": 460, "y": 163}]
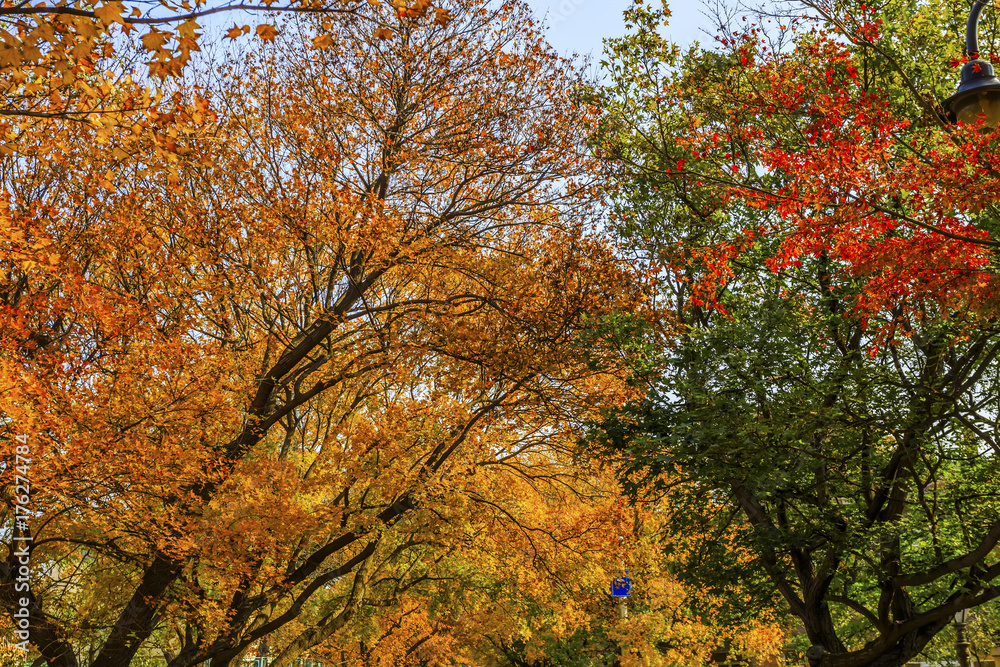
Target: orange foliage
[
  {"x": 521, "y": 576},
  {"x": 60, "y": 60}
]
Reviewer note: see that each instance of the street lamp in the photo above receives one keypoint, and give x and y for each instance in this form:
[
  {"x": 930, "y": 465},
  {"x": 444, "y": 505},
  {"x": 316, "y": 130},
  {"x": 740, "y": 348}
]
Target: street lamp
[
  {"x": 978, "y": 93},
  {"x": 961, "y": 645}
]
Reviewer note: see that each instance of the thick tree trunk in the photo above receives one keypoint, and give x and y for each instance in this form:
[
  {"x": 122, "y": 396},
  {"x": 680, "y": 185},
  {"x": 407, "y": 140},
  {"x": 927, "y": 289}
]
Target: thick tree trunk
[
  {"x": 328, "y": 626},
  {"x": 137, "y": 620},
  {"x": 885, "y": 652},
  {"x": 42, "y": 632}
]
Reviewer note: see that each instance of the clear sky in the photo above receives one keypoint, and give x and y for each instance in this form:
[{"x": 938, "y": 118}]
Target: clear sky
[{"x": 580, "y": 25}]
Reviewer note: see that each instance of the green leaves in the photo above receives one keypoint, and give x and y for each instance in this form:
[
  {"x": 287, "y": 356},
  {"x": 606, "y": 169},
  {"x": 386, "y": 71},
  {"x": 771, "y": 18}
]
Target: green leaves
[{"x": 822, "y": 407}]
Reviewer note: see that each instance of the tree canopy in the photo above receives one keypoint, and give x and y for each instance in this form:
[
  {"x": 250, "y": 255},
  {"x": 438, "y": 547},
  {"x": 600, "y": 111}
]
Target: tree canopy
[
  {"x": 77, "y": 60},
  {"x": 262, "y": 358},
  {"x": 828, "y": 390},
  {"x": 299, "y": 340}
]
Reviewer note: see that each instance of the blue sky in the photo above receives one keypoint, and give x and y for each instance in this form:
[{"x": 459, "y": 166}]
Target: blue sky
[{"x": 580, "y": 25}]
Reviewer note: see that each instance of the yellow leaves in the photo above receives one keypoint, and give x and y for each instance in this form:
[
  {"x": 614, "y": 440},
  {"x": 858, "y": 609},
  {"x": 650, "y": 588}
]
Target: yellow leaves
[
  {"x": 89, "y": 91},
  {"x": 110, "y": 12},
  {"x": 85, "y": 27},
  {"x": 435, "y": 382},
  {"x": 267, "y": 32},
  {"x": 382, "y": 33},
  {"x": 168, "y": 63},
  {"x": 236, "y": 31},
  {"x": 188, "y": 29},
  {"x": 442, "y": 16},
  {"x": 15, "y": 51},
  {"x": 30, "y": 53},
  {"x": 419, "y": 8},
  {"x": 9, "y": 56},
  {"x": 322, "y": 42},
  {"x": 184, "y": 545},
  {"x": 44, "y": 32},
  {"x": 186, "y": 45},
  {"x": 155, "y": 39},
  {"x": 202, "y": 111}
]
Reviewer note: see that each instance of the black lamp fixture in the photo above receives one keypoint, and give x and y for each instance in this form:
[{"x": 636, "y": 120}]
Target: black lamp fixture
[
  {"x": 978, "y": 93},
  {"x": 962, "y": 619}
]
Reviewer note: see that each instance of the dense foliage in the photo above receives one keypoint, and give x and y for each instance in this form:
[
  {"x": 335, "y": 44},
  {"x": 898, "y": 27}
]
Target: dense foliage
[
  {"x": 294, "y": 356},
  {"x": 829, "y": 389}
]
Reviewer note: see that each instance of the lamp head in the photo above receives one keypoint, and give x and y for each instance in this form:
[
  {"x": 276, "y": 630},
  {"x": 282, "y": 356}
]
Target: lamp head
[
  {"x": 962, "y": 617},
  {"x": 978, "y": 95}
]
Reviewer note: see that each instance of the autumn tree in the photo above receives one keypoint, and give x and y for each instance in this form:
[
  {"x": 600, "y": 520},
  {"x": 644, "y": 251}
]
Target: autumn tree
[
  {"x": 529, "y": 587},
  {"x": 264, "y": 353},
  {"x": 75, "y": 60},
  {"x": 827, "y": 242}
]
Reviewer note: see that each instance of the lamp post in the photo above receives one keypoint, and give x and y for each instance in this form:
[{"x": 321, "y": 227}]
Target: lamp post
[
  {"x": 621, "y": 590},
  {"x": 961, "y": 645},
  {"x": 720, "y": 656},
  {"x": 978, "y": 94}
]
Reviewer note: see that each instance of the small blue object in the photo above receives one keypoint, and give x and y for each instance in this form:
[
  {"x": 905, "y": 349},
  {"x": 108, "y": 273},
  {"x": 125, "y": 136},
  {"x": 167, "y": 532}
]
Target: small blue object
[{"x": 622, "y": 586}]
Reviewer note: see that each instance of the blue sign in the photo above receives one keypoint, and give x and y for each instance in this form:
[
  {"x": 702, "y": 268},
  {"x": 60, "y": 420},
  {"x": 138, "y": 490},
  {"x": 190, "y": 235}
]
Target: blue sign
[{"x": 622, "y": 586}]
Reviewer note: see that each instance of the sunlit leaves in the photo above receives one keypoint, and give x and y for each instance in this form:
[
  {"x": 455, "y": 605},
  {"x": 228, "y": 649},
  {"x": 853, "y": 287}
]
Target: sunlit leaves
[
  {"x": 45, "y": 48},
  {"x": 829, "y": 246},
  {"x": 272, "y": 328},
  {"x": 267, "y": 32}
]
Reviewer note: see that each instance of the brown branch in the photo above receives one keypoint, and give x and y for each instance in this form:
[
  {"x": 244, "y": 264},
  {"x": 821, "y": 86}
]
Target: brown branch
[
  {"x": 759, "y": 519},
  {"x": 26, "y": 11},
  {"x": 974, "y": 557},
  {"x": 856, "y": 606}
]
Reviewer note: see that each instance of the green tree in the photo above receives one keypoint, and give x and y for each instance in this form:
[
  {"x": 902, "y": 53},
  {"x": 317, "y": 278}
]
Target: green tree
[{"x": 827, "y": 388}]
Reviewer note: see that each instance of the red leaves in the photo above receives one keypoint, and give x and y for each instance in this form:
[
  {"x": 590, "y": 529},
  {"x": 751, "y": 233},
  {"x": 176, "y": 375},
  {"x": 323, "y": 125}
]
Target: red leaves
[{"x": 898, "y": 221}]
